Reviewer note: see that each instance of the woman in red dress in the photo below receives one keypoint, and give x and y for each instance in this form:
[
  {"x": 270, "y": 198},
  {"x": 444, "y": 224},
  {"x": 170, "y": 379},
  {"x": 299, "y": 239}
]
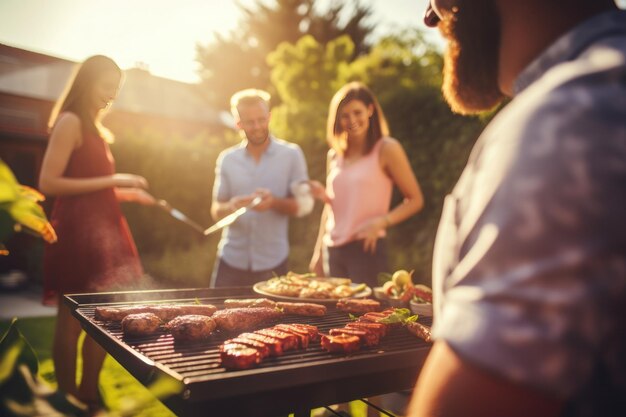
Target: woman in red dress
[{"x": 95, "y": 250}]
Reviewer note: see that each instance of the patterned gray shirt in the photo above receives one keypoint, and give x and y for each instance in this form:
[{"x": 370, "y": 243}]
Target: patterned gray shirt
[{"x": 529, "y": 270}]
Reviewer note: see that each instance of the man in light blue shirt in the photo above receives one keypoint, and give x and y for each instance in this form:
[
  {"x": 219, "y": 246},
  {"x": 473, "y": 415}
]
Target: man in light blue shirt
[
  {"x": 256, "y": 246},
  {"x": 529, "y": 268}
]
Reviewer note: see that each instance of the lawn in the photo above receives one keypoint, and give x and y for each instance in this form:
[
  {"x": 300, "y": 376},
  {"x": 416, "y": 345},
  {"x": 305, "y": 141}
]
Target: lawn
[{"x": 116, "y": 384}]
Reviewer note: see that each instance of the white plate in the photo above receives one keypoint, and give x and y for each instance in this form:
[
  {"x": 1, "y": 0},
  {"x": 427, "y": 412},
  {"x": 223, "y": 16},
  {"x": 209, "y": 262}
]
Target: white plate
[
  {"x": 379, "y": 293},
  {"x": 258, "y": 288},
  {"x": 422, "y": 309}
]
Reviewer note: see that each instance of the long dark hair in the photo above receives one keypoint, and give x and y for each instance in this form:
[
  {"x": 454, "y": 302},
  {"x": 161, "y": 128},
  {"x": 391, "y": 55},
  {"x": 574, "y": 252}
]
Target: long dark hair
[
  {"x": 77, "y": 94},
  {"x": 378, "y": 128}
]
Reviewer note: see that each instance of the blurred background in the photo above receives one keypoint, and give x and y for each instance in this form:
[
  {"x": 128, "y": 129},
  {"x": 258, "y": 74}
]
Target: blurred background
[{"x": 183, "y": 60}]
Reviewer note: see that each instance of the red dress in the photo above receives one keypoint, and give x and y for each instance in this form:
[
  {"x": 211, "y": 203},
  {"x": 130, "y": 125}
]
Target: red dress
[{"x": 95, "y": 250}]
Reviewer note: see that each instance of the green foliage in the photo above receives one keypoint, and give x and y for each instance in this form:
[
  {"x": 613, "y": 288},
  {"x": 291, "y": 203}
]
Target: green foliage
[
  {"x": 237, "y": 61},
  {"x": 20, "y": 209}
]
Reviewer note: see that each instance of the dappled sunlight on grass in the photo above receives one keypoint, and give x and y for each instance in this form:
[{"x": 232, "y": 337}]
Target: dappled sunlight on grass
[{"x": 118, "y": 386}]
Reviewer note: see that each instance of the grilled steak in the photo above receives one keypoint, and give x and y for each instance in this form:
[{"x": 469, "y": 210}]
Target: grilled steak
[
  {"x": 237, "y": 356},
  {"x": 247, "y": 318},
  {"x": 261, "y": 347},
  {"x": 191, "y": 327},
  {"x": 379, "y": 328},
  {"x": 140, "y": 324},
  {"x": 342, "y": 343},
  {"x": 248, "y": 349},
  {"x": 312, "y": 330},
  {"x": 275, "y": 345},
  {"x": 367, "y": 337},
  {"x": 302, "y": 335},
  {"x": 289, "y": 341},
  {"x": 303, "y": 309}
]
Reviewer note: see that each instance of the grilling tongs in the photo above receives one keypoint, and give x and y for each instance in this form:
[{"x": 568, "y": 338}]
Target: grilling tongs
[
  {"x": 178, "y": 215},
  {"x": 228, "y": 220}
]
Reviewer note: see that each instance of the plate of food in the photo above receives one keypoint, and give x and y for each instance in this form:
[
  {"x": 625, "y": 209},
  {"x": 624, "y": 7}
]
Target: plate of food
[
  {"x": 310, "y": 288},
  {"x": 400, "y": 292}
]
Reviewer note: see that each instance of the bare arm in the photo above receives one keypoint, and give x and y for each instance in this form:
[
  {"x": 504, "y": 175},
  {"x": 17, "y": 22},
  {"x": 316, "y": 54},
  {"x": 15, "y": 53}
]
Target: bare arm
[
  {"x": 65, "y": 138},
  {"x": 450, "y": 386},
  {"x": 135, "y": 195},
  {"x": 396, "y": 163}
]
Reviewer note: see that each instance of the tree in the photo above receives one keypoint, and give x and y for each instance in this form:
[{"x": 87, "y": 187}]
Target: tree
[{"x": 238, "y": 60}]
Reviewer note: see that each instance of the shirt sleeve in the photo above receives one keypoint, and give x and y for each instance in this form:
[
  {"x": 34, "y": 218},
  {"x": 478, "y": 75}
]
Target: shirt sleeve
[
  {"x": 539, "y": 284},
  {"x": 221, "y": 189}
]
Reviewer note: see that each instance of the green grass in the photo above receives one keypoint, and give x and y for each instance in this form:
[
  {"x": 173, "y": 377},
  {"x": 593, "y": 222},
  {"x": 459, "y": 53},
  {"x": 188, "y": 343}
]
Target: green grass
[{"x": 117, "y": 386}]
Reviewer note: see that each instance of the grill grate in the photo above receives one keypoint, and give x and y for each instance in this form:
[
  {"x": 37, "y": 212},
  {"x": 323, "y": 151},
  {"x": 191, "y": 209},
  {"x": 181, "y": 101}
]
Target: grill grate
[{"x": 300, "y": 378}]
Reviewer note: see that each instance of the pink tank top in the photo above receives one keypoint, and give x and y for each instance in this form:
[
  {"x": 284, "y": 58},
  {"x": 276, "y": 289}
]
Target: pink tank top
[{"x": 359, "y": 192}]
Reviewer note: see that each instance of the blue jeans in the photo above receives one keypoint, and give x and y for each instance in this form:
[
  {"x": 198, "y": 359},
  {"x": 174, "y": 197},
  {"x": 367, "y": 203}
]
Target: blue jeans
[
  {"x": 351, "y": 261},
  {"x": 225, "y": 275}
]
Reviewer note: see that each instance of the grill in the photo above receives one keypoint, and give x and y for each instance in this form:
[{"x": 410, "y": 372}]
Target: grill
[{"x": 292, "y": 383}]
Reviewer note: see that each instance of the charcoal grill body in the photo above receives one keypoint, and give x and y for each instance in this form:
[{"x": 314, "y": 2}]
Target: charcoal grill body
[{"x": 293, "y": 383}]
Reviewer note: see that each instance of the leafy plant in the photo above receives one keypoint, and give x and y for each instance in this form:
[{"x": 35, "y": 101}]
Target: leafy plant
[{"x": 20, "y": 209}]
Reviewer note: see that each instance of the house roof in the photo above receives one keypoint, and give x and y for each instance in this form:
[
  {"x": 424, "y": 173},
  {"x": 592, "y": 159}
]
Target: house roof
[{"x": 36, "y": 75}]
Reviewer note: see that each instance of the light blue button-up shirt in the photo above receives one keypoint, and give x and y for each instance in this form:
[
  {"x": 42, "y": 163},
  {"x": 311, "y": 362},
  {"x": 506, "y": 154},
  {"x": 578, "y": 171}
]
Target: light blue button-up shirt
[
  {"x": 257, "y": 240},
  {"x": 529, "y": 269}
]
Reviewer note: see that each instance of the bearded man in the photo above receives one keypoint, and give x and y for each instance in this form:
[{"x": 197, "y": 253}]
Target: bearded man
[{"x": 529, "y": 270}]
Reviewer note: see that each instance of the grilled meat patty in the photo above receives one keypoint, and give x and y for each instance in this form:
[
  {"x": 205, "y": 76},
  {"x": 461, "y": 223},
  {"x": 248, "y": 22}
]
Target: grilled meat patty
[
  {"x": 358, "y": 306},
  {"x": 303, "y": 309},
  {"x": 191, "y": 327},
  {"x": 140, "y": 324},
  {"x": 246, "y": 318},
  {"x": 249, "y": 302},
  {"x": 165, "y": 312}
]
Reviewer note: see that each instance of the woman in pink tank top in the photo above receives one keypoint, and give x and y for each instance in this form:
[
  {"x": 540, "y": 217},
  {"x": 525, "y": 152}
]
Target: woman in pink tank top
[{"x": 363, "y": 165}]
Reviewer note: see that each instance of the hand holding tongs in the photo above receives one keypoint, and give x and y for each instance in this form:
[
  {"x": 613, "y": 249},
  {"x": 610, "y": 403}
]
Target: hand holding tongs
[
  {"x": 228, "y": 220},
  {"x": 178, "y": 215}
]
